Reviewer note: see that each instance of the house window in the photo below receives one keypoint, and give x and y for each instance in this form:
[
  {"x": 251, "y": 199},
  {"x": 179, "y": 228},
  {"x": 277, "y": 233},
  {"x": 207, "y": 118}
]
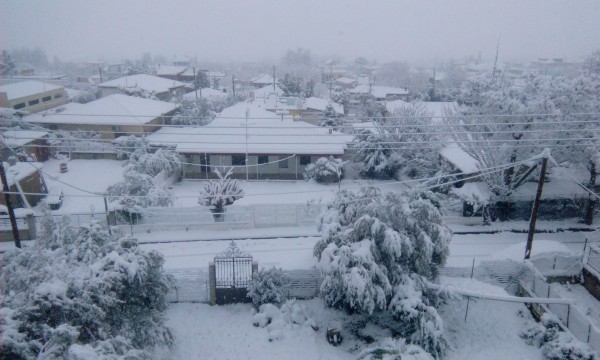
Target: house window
[
  {"x": 238, "y": 160},
  {"x": 56, "y": 96},
  {"x": 283, "y": 161},
  {"x": 34, "y": 102},
  {"x": 46, "y": 98},
  {"x": 19, "y": 106},
  {"x": 263, "y": 159},
  {"x": 205, "y": 162},
  {"x": 304, "y": 159}
]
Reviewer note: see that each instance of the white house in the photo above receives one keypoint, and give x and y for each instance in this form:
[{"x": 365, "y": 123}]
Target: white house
[
  {"x": 161, "y": 88},
  {"x": 32, "y": 96},
  {"x": 380, "y": 92},
  {"x": 262, "y": 147}
]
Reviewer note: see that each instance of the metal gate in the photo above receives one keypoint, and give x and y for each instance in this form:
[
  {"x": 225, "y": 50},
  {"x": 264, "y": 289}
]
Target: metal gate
[{"x": 233, "y": 272}]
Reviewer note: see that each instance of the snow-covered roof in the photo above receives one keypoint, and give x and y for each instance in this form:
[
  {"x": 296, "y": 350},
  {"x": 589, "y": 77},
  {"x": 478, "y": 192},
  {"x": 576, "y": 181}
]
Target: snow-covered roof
[
  {"x": 19, "y": 171},
  {"x": 145, "y": 82},
  {"x": 116, "y": 109},
  {"x": 27, "y": 88},
  {"x": 267, "y": 134},
  {"x": 170, "y": 70},
  {"x": 378, "y": 91},
  {"x": 262, "y": 79},
  {"x": 267, "y": 91},
  {"x": 73, "y": 93},
  {"x": 16, "y": 138},
  {"x": 345, "y": 80},
  {"x": 314, "y": 103},
  {"x": 206, "y": 93},
  {"x": 460, "y": 159}
]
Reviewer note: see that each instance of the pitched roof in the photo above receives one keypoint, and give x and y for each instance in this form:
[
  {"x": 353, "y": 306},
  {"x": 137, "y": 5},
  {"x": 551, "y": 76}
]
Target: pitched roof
[
  {"x": 315, "y": 103},
  {"x": 170, "y": 70},
  {"x": 115, "y": 109},
  {"x": 262, "y": 79},
  {"x": 145, "y": 82},
  {"x": 378, "y": 91},
  {"x": 207, "y": 93},
  {"x": 27, "y": 88},
  {"x": 19, "y": 171},
  {"x": 266, "y": 134},
  {"x": 459, "y": 158},
  {"x": 15, "y": 138}
]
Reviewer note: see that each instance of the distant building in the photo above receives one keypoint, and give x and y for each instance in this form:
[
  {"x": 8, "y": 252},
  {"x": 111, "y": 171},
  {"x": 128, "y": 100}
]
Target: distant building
[
  {"x": 162, "y": 88},
  {"x": 379, "y": 92},
  {"x": 262, "y": 81},
  {"x": 25, "y": 182},
  {"x": 32, "y": 96},
  {"x": 178, "y": 73},
  {"x": 112, "y": 116},
  {"x": 28, "y": 143}
]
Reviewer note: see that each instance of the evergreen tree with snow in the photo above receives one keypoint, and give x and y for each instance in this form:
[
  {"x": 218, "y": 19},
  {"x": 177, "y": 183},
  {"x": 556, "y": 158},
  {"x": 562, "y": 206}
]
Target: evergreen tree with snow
[
  {"x": 194, "y": 112},
  {"x": 378, "y": 253},
  {"x": 216, "y": 194},
  {"x": 82, "y": 293},
  {"x": 291, "y": 85},
  {"x": 331, "y": 118},
  {"x": 377, "y": 158}
]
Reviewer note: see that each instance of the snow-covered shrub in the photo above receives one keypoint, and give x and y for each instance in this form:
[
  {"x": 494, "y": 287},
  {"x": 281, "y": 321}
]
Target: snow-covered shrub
[
  {"x": 216, "y": 194},
  {"x": 162, "y": 160},
  {"x": 556, "y": 344},
  {"x": 276, "y": 319},
  {"x": 268, "y": 286},
  {"x": 194, "y": 112},
  {"x": 395, "y": 349},
  {"x": 324, "y": 170},
  {"x": 377, "y": 254},
  {"x": 81, "y": 293}
]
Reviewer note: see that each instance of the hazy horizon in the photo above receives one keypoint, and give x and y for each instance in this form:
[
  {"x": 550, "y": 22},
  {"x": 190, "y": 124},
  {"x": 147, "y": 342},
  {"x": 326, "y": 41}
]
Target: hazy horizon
[{"x": 260, "y": 30}]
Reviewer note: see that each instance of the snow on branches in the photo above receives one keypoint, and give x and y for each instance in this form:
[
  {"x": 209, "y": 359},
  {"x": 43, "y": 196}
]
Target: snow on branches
[
  {"x": 216, "y": 194},
  {"x": 82, "y": 291},
  {"x": 377, "y": 253}
]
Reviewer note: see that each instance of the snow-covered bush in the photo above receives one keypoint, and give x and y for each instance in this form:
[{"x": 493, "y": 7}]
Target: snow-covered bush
[
  {"x": 324, "y": 170},
  {"x": 276, "y": 319},
  {"x": 194, "y": 112},
  {"x": 268, "y": 286},
  {"x": 81, "y": 293},
  {"x": 162, "y": 160},
  {"x": 216, "y": 194},
  {"x": 395, "y": 349},
  {"x": 556, "y": 344},
  {"x": 137, "y": 190},
  {"x": 377, "y": 254}
]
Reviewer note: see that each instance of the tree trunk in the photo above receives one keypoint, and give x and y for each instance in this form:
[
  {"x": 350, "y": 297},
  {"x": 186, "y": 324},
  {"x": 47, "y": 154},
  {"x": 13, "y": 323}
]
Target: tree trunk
[{"x": 591, "y": 205}]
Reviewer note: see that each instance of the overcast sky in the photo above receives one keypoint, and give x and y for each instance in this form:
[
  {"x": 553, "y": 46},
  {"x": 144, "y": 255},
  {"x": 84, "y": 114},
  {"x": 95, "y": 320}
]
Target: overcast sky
[{"x": 250, "y": 30}]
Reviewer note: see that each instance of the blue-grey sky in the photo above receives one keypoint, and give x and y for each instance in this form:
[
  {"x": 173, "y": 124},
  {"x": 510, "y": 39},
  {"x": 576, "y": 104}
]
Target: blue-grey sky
[{"x": 418, "y": 30}]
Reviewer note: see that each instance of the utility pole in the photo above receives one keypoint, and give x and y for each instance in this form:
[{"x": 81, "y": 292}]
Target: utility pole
[
  {"x": 591, "y": 205},
  {"x": 195, "y": 82},
  {"x": 536, "y": 207},
  {"x": 274, "y": 78},
  {"x": 233, "y": 85},
  {"x": 9, "y": 206},
  {"x": 100, "y": 71}
]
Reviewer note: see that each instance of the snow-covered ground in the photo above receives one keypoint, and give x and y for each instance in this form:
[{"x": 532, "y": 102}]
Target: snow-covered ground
[{"x": 226, "y": 332}]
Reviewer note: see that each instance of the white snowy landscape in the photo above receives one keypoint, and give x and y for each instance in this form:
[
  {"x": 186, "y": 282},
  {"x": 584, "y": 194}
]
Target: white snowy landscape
[{"x": 299, "y": 180}]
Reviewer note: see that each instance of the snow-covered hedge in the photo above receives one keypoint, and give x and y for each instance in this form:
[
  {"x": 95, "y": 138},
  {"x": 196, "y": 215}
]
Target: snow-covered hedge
[
  {"x": 80, "y": 293},
  {"x": 394, "y": 349},
  {"x": 268, "y": 286},
  {"x": 290, "y": 314}
]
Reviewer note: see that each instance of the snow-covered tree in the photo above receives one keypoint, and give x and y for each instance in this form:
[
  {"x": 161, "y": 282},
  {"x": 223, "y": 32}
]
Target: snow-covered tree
[
  {"x": 216, "y": 194},
  {"x": 291, "y": 85},
  {"x": 342, "y": 98},
  {"x": 82, "y": 291},
  {"x": 202, "y": 80},
  {"x": 162, "y": 160},
  {"x": 194, "y": 112},
  {"x": 377, "y": 254},
  {"x": 7, "y": 66},
  {"x": 137, "y": 92},
  {"x": 377, "y": 158},
  {"x": 325, "y": 170},
  {"x": 331, "y": 118},
  {"x": 137, "y": 190}
]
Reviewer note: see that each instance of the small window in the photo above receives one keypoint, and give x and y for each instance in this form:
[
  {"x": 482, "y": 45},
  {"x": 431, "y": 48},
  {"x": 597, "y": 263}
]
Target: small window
[
  {"x": 19, "y": 106},
  {"x": 205, "y": 162},
  {"x": 56, "y": 96},
  {"x": 283, "y": 161},
  {"x": 238, "y": 160},
  {"x": 304, "y": 159},
  {"x": 46, "y": 98},
  {"x": 34, "y": 102},
  {"x": 263, "y": 159}
]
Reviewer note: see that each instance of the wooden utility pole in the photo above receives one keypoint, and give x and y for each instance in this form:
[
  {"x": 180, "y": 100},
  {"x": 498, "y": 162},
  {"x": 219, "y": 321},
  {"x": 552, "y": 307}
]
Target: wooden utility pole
[
  {"x": 11, "y": 212},
  {"x": 195, "y": 83},
  {"x": 274, "y": 81},
  {"x": 100, "y": 71},
  {"x": 591, "y": 205},
  {"x": 233, "y": 85},
  {"x": 536, "y": 207}
]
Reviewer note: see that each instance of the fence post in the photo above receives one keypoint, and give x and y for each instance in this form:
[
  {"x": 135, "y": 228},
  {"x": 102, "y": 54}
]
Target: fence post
[
  {"x": 472, "y": 268},
  {"x": 568, "y": 314},
  {"x": 212, "y": 282},
  {"x": 589, "y": 332},
  {"x": 467, "y": 310}
]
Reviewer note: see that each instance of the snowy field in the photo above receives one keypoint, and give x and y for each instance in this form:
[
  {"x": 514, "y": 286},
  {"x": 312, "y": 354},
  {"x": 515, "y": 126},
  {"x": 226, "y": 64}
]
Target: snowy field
[{"x": 226, "y": 332}]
